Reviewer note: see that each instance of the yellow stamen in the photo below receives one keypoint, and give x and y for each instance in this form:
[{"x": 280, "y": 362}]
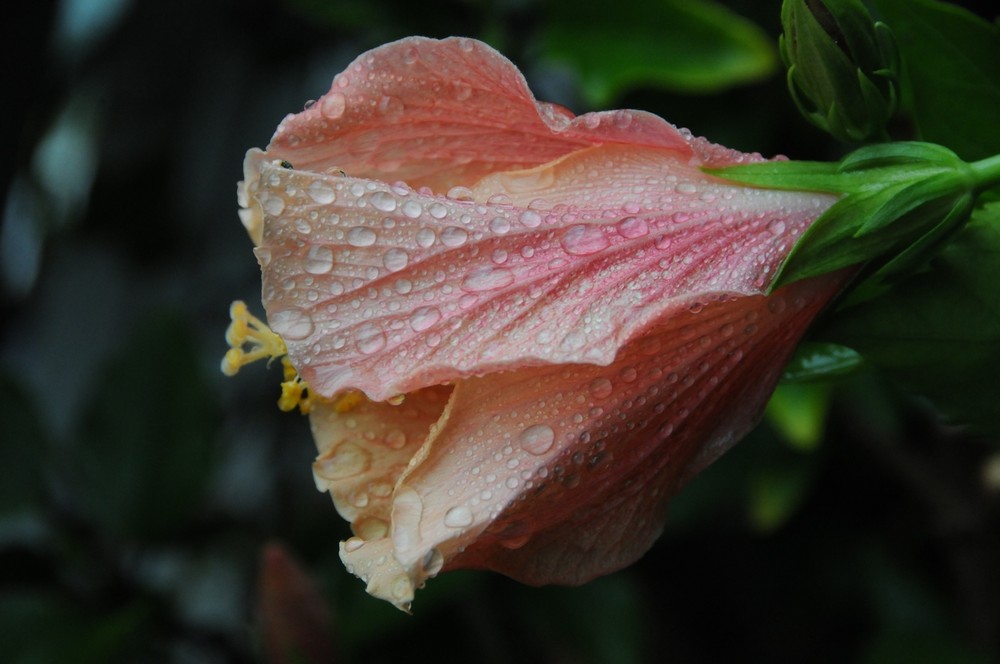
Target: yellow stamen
[
  {"x": 250, "y": 339},
  {"x": 348, "y": 401}
]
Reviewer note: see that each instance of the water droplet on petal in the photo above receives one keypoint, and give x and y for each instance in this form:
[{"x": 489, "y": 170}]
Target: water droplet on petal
[
  {"x": 453, "y": 236},
  {"x": 487, "y": 278},
  {"x": 412, "y": 209},
  {"x": 601, "y": 388},
  {"x": 633, "y": 227},
  {"x": 333, "y": 105},
  {"x": 321, "y": 192},
  {"x": 458, "y": 517},
  {"x": 584, "y": 240},
  {"x": 273, "y": 205},
  {"x": 345, "y": 460},
  {"x": 395, "y": 260},
  {"x": 423, "y": 318},
  {"x": 369, "y": 339},
  {"x": 360, "y": 236},
  {"x": 319, "y": 260},
  {"x": 537, "y": 439},
  {"x": 500, "y": 225},
  {"x": 291, "y": 324},
  {"x": 396, "y": 439},
  {"x": 384, "y": 201},
  {"x": 686, "y": 188},
  {"x": 438, "y": 211},
  {"x": 777, "y": 226},
  {"x": 425, "y": 237},
  {"x": 460, "y": 194},
  {"x": 530, "y": 218}
]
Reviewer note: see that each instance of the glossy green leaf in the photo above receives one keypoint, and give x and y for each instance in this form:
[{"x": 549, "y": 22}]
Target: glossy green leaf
[
  {"x": 682, "y": 45},
  {"x": 821, "y": 361},
  {"x": 951, "y": 77},
  {"x": 938, "y": 331},
  {"x": 146, "y": 452}
]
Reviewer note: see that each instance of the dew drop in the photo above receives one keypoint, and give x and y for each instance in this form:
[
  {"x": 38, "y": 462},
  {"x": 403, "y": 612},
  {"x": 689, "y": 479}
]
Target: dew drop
[
  {"x": 601, "y": 388},
  {"x": 370, "y": 339},
  {"x": 686, "y": 188},
  {"x": 530, "y": 218},
  {"x": 395, "y": 260},
  {"x": 438, "y": 211},
  {"x": 777, "y": 226},
  {"x": 632, "y": 228},
  {"x": 333, "y": 105},
  {"x": 396, "y": 439},
  {"x": 460, "y": 194},
  {"x": 500, "y": 225},
  {"x": 319, "y": 260},
  {"x": 384, "y": 201},
  {"x": 321, "y": 192},
  {"x": 360, "y": 236},
  {"x": 412, "y": 209},
  {"x": 537, "y": 439},
  {"x": 423, "y": 318},
  {"x": 346, "y": 460},
  {"x": 273, "y": 205},
  {"x": 584, "y": 240},
  {"x": 453, "y": 236},
  {"x": 292, "y": 324},
  {"x": 425, "y": 237},
  {"x": 458, "y": 517},
  {"x": 487, "y": 278}
]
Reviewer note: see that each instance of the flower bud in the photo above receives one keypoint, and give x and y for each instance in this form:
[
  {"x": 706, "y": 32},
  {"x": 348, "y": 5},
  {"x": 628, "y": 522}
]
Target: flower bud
[{"x": 842, "y": 67}]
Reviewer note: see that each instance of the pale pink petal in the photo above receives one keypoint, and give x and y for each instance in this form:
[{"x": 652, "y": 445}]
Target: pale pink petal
[
  {"x": 558, "y": 474},
  {"x": 446, "y": 113},
  {"x": 364, "y": 448},
  {"x": 385, "y": 289}
]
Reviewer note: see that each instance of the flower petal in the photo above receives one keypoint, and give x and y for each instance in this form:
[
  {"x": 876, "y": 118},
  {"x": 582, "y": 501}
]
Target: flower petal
[
  {"x": 446, "y": 113},
  {"x": 558, "y": 474},
  {"x": 364, "y": 449},
  {"x": 385, "y": 289}
]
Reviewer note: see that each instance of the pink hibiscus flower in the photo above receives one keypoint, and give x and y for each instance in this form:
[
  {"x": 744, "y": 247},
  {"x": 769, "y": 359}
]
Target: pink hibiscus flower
[{"x": 573, "y": 309}]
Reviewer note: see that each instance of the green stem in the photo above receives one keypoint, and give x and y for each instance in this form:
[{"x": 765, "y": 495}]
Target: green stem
[{"x": 987, "y": 172}]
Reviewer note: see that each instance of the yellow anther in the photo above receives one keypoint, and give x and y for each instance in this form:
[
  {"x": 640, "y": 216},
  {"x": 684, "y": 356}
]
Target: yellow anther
[
  {"x": 250, "y": 339},
  {"x": 294, "y": 391},
  {"x": 348, "y": 401}
]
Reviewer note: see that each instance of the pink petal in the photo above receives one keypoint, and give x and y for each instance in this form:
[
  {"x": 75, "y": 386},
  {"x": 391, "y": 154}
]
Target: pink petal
[
  {"x": 446, "y": 113},
  {"x": 558, "y": 474},
  {"x": 385, "y": 289}
]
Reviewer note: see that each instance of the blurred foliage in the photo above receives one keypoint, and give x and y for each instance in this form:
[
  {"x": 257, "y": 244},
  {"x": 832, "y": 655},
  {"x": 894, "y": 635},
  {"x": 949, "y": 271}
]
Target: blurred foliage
[
  {"x": 952, "y": 83},
  {"x": 140, "y": 488},
  {"x": 693, "y": 46}
]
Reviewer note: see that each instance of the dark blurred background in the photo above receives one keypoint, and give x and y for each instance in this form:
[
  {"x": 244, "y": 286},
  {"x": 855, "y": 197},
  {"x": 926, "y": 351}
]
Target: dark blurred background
[{"x": 152, "y": 510}]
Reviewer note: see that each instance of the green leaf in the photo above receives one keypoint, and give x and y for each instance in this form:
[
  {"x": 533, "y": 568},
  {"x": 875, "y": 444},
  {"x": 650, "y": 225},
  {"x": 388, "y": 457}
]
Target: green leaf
[
  {"x": 692, "y": 46},
  {"x": 146, "y": 452},
  {"x": 938, "y": 331},
  {"x": 798, "y": 412},
  {"x": 820, "y": 361},
  {"x": 950, "y": 73}
]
